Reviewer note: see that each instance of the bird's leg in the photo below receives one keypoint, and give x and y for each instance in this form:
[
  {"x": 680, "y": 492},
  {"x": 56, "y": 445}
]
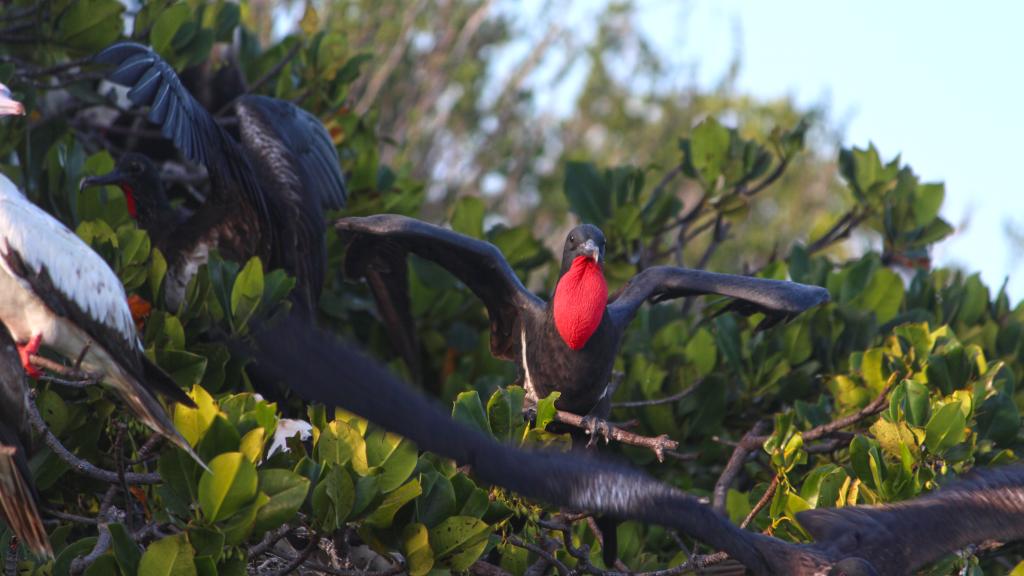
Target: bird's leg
[
  {"x": 593, "y": 426},
  {"x": 25, "y": 353}
]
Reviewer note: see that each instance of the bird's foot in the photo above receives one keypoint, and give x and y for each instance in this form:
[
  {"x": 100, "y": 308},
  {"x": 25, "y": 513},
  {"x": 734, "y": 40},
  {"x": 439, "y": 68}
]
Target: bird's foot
[
  {"x": 25, "y": 353},
  {"x": 140, "y": 308},
  {"x": 595, "y": 426}
]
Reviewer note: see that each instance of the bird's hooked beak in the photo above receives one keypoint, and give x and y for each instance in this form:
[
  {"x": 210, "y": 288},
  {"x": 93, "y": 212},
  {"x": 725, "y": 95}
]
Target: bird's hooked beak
[
  {"x": 112, "y": 178},
  {"x": 8, "y": 105},
  {"x": 591, "y": 250}
]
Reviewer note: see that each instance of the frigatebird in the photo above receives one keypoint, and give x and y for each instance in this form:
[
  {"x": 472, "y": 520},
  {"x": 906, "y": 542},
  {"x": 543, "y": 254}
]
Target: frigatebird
[
  {"x": 568, "y": 345},
  {"x": 55, "y": 290},
  {"x": 18, "y": 498},
  {"x": 268, "y": 191},
  {"x": 887, "y": 540},
  {"x": 151, "y": 208}
]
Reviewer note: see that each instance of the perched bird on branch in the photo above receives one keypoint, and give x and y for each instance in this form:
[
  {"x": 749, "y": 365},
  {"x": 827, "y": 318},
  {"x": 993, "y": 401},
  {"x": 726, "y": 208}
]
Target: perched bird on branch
[
  {"x": 568, "y": 345},
  {"x": 55, "y": 291},
  {"x": 18, "y": 508},
  {"x": 887, "y": 540},
  {"x": 269, "y": 190}
]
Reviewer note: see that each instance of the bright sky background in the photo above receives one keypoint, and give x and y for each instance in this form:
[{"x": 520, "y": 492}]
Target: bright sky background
[{"x": 939, "y": 82}]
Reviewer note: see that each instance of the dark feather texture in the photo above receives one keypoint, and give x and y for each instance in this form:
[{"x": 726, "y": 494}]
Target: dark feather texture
[{"x": 18, "y": 498}]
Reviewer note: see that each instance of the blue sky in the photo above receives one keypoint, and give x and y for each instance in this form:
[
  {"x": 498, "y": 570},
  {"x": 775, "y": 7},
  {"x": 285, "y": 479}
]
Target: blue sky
[{"x": 943, "y": 87}]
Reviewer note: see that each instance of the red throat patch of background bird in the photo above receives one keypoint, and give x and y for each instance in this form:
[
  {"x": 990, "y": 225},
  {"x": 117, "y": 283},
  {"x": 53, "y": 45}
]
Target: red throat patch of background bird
[
  {"x": 129, "y": 198},
  {"x": 580, "y": 300}
]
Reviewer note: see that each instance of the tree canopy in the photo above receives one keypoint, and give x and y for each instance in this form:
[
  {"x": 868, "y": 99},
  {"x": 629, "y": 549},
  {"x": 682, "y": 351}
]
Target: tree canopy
[{"x": 904, "y": 382}]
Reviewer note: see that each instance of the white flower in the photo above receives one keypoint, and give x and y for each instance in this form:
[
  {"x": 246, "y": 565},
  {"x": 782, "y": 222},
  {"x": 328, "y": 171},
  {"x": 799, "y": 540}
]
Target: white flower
[{"x": 287, "y": 428}]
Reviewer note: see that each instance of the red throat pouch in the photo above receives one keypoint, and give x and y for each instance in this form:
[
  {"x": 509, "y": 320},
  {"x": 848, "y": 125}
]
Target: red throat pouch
[
  {"x": 580, "y": 299},
  {"x": 129, "y": 198}
]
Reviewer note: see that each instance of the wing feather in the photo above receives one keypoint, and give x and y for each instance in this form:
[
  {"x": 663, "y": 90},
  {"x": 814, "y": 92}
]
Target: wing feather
[
  {"x": 184, "y": 121},
  {"x": 900, "y": 538},
  {"x": 379, "y": 245},
  {"x": 777, "y": 299}
]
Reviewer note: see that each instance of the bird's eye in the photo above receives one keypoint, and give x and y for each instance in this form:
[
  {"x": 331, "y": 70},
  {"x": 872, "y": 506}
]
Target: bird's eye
[{"x": 572, "y": 239}]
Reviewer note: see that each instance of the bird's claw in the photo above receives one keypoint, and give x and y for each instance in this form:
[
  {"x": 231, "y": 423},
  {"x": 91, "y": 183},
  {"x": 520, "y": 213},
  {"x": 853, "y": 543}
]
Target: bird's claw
[
  {"x": 25, "y": 353},
  {"x": 595, "y": 426}
]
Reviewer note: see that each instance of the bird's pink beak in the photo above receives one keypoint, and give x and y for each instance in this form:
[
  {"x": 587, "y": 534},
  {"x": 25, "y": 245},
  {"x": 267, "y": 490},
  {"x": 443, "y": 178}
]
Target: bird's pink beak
[{"x": 8, "y": 105}]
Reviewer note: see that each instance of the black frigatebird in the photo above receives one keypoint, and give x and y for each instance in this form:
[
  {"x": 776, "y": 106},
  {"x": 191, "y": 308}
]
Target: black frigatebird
[
  {"x": 18, "y": 508},
  {"x": 268, "y": 191},
  {"x": 55, "y": 290},
  {"x": 568, "y": 345},
  {"x": 888, "y": 540}
]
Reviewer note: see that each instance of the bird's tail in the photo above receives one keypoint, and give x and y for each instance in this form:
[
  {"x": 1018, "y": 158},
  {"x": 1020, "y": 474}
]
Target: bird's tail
[
  {"x": 148, "y": 409},
  {"x": 18, "y": 506}
]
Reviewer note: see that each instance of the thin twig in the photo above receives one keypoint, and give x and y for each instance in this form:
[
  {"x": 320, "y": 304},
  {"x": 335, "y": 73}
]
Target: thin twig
[
  {"x": 658, "y": 401},
  {"x": 563, "y": 570},
  {"x": 765, "y": 499}
]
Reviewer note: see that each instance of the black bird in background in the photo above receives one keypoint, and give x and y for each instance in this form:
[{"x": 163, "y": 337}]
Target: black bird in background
[
  {"x": 568, "y": 345},
  {"x": 18, "y": 497},
  {"x": 888, "y": 540},
  {"x": 269, "y": 189}
]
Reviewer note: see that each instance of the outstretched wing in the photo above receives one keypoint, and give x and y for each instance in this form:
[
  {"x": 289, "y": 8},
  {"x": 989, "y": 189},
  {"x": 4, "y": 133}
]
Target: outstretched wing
[
  {"x": 293, "y": 151},
  {"x": 377, "y": 250},
  {"x": 183, "y": 120},
  {"x": 74, "y": 282},
  {"x": 900, "y": 538},
  {"x": 777, "y": 299},
  {"x": 319, "y": 368},
  {"x": 17, "y": 497}
]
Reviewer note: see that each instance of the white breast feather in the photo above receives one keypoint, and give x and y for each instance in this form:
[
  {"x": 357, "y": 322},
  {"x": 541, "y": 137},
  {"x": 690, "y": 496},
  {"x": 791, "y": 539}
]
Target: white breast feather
[{"x": 80, "y": 274}]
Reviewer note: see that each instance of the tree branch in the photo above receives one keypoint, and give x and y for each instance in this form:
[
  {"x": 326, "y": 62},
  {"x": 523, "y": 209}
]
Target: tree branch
[
  {"x": 77, "y": 464},
  {"x": 735, "y": 464},
  {"x": 657, "y": 444}
]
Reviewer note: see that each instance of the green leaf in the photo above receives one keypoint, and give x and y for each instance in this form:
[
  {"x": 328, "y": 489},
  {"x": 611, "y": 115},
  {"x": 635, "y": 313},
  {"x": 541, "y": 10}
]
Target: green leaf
[
  {"x": 399, "y": 464},
  {"x": 167, "y": 26},
  {"x": 334, "y": 497},
  {"x": 385, "y": 513},
  {"x": 185, "y": 368},
  {"x": 193, "y": 423},
  {"x": 458, "y": 541},
  {"x": 90, "y": 25},
  {"x": 946, "y": 428},
  {"x": 170, "y": 556},
  {"x": 468, "y": 216},
  {"x": 416, "y": 548},
  {"x": 505, "y": 413},
  {"x": 701, "y": 351},
  {"x": 126, "y": 551},
  {"x": 469, "y": 410},
  {"x": 287, "y": 491},
  {"x": 588, "y": 194},
  {"x": 546, "y": 410},
  {"x": 239, "y": 526},
  {"x": 230, "y": 484},
  {"x": 247, "y": 292},
  {"x": 709, "y": 150}
]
